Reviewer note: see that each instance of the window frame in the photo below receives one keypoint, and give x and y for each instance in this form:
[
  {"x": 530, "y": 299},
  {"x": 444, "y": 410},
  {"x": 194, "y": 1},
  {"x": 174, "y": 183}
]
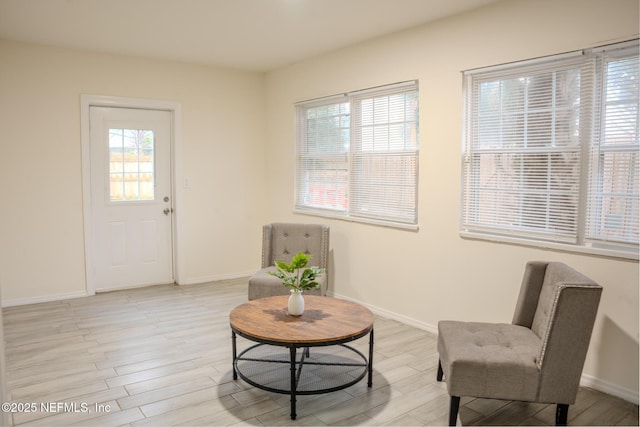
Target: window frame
[
  {"x": 590, "y": 140},
  {"x": 349, "y": 159}
]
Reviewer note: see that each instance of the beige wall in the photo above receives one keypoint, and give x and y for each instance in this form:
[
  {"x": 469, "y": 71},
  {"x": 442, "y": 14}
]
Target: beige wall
[
  {"x": 5, "y": 417},
  {"x": 434, "y": 274},
  {"x": 230, "y": 117},
  {"x": 41, "y": 227}
]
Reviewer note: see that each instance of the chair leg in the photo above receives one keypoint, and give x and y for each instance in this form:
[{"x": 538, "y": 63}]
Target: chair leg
[
  {"x": 440, "y": 373},
  {"x": 562, "y": 412},
  {"x": 453, "y": 410}
]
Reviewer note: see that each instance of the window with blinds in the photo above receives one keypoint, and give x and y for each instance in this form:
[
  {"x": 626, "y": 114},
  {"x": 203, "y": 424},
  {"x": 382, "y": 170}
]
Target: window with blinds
[
  {"x": 357, "y": 155},
  {"x": 550, "y": 150},
  {"x": 614, "y": 168}
]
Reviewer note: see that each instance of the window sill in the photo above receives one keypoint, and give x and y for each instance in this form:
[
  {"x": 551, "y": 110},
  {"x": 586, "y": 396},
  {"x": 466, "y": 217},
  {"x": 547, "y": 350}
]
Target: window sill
[
  {"x": 588, "y": 250},
  {"x": 380, "y": 223}
]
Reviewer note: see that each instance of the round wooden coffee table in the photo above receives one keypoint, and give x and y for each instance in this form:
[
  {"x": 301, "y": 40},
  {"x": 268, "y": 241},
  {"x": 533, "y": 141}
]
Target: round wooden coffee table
[{"x": 326, "y": 321}]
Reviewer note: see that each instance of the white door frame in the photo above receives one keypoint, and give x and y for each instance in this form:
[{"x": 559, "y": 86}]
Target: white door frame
[{"x": 88, "y": 101}]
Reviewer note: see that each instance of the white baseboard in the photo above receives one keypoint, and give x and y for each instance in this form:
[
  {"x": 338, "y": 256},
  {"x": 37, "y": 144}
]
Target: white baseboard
[
  {"x": 47, "y": 298},
  {"x": 609, "y": 388},
  {"x": 392, "y": 315},
  {"x": 216, "y": 277},
  {"x": 585, "y": 380},
  {"x": 70, "y": 295}
]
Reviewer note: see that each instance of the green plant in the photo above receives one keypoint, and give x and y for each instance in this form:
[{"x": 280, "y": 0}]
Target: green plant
[{"x": 295, "y": 276}]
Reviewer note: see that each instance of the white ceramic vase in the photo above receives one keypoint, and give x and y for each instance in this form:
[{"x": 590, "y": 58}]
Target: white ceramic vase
[{"x": 296, "y": 303}]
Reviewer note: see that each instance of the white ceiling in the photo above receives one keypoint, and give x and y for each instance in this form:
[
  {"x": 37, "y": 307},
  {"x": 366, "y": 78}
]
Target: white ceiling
[{"x": 257, "y": 35}]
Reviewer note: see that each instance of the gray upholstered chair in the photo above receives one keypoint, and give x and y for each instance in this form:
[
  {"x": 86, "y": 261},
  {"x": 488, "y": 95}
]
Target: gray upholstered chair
[
  {"x": 281, "y": 241},
  {"x": 538, "y": 357}
]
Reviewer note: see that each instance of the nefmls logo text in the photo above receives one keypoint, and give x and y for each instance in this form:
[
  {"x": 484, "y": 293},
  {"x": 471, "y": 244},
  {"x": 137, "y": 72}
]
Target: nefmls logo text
[{"x": 53, "y": 407}]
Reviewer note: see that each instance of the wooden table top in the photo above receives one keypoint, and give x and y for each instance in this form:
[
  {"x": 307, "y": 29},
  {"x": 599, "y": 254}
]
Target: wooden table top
[{"x": 325, "y": 319}]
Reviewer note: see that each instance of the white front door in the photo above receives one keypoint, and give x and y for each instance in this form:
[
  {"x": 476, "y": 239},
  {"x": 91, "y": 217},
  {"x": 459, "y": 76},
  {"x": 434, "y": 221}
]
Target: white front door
[{"x": 131, "y": 206}]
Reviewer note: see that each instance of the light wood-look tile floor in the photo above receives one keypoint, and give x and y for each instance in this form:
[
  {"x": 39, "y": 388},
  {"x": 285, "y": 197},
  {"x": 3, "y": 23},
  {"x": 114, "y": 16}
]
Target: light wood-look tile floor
[{"x": 162, "y": 356}]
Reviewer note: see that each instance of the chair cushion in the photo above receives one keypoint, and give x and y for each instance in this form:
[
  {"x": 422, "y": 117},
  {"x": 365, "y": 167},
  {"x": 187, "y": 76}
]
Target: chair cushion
[
  {"x": 263, "y": 285},
  {"x": 489, "y": 360}
]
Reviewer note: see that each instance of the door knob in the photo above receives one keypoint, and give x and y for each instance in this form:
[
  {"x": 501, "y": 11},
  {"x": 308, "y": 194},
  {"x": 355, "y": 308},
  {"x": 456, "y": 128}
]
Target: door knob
[{"x": 167, "y": 211}]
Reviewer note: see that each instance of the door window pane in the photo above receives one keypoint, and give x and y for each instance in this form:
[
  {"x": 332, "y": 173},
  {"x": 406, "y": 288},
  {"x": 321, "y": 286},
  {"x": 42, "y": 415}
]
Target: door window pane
[{"x": 131, "y": 168}]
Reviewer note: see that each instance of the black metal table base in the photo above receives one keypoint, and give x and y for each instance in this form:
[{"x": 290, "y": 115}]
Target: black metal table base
[{"x": 318, "y": 368}]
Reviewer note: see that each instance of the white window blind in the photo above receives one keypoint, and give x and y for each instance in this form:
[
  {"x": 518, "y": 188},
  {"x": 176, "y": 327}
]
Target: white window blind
[
  {"x": 323, "y": 155},
  {"x": 550, "y": 150},
  {"x": 357, "y": 155},
  {"x": 614, "y": 201}
]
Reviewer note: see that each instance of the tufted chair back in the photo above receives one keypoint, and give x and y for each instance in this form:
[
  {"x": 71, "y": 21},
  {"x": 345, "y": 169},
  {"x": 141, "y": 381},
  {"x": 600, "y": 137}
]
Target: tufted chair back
[
  {"x": 559, "y": 305},
  {"x": 281, "y": 241}
]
